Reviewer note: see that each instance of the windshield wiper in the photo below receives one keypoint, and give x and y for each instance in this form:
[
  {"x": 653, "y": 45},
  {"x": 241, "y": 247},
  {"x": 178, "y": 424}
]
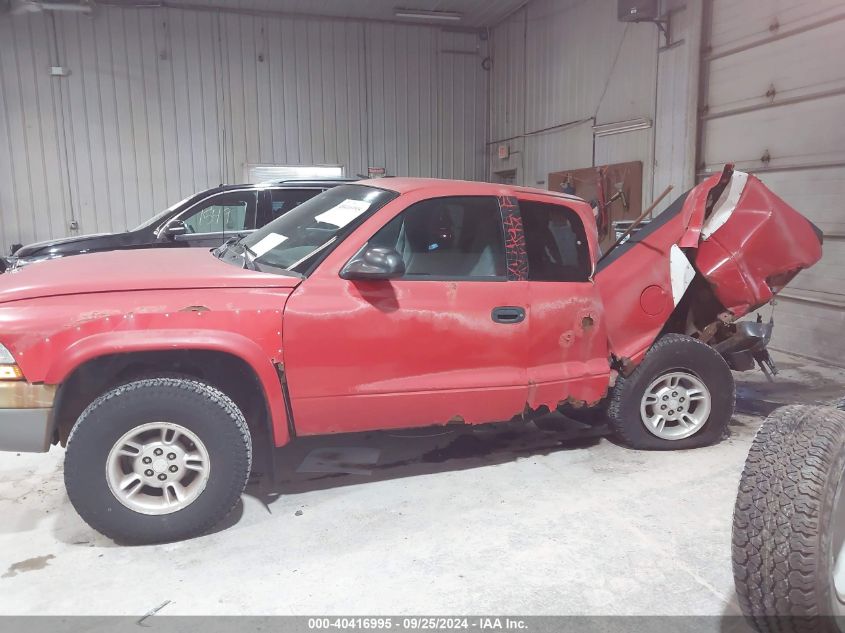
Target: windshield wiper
[
  {"x": 220, "y": 250},
  {"x": 249, "y": 256}
]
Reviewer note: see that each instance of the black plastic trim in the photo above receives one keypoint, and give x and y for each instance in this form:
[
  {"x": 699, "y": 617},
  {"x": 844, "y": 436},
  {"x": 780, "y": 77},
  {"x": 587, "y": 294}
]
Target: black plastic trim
[{"x": 671, "y": 212}]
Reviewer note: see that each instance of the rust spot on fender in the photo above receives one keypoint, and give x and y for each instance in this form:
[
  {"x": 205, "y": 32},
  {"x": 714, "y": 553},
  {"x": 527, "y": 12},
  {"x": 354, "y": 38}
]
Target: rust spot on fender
[
  {"x": 576, "y": 403},
  {"x": 456, "y": 419},
  {"x": 195, "y": 309},
  {"x": 626, "y": 366},
  {"x": 588, "y": 322},
  {"x": 567, "y": 338}
]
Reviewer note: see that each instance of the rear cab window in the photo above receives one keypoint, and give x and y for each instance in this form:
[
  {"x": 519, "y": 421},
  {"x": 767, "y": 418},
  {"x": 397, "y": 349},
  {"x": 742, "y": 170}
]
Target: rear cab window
[{"x": 556, "y": 242}]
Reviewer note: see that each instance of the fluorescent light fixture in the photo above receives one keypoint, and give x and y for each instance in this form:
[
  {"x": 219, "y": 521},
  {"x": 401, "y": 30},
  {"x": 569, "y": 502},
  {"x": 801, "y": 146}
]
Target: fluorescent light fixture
[
  {"x": 606, "y": 129},
  {"x": 420, "y": 14},
  {"x": 261, "y": 173}
]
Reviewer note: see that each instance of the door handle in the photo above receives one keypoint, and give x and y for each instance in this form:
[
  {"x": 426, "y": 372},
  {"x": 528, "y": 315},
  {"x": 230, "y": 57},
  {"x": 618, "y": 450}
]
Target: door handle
[{"x": 508, "y": 314}]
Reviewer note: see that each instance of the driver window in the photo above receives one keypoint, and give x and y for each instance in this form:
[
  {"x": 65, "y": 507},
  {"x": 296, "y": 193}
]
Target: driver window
[
  {"x": 225, "y": 212},
  {"x": 459, "y": 237}
]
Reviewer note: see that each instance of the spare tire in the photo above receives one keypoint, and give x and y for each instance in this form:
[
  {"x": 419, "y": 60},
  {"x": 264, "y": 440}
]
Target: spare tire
[{"x": 789, "y": 523}]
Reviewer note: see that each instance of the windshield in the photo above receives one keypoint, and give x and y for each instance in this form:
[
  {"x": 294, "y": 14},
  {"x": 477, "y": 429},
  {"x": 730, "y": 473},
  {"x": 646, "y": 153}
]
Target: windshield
[
  {"x": 158, "y": 217},
  {"x": 298, "y": 240}
]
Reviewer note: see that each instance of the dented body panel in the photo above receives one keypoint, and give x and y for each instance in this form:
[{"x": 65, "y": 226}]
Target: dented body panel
[
  {"x": 753, "y": 245},
  {"x": 743, "y": 242},
  {"x": 337, "y": 355}
]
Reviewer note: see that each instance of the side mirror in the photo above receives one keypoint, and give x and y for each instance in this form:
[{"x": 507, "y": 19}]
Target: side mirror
[
  {"x": 175, "y": 228},
  {"x": 375, "y": 262}
]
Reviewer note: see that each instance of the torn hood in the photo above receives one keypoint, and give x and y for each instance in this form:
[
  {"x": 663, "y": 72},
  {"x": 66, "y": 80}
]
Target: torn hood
[
  {"x": 121, "y": 271},
  {"x": 730, "y": 231}
]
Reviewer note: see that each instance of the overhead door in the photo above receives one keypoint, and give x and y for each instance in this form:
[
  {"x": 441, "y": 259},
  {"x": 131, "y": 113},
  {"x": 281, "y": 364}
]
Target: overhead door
[{"x": 773, "y": 102}]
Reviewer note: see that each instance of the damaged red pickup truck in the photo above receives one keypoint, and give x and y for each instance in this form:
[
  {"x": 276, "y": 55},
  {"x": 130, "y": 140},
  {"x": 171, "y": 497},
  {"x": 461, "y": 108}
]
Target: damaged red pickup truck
[{"x": 383, "y": 304}]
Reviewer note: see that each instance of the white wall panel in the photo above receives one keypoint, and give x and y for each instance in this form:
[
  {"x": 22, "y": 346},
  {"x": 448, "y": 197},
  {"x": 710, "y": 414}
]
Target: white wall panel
[
  {"x": 571, "y": 63},
  {"x": 773, "y": 98},
  {"x": 737, "y": 25},
  {"x": 163, "y": 102},
  {"x": 31, "y": 142},
  {"x": 556, "y": 151},
  {"x": 676, "y": 118}
]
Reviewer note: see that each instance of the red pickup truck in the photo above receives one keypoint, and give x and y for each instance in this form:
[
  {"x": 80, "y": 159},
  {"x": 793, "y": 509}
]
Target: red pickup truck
[{"x": 388, "y": 303}]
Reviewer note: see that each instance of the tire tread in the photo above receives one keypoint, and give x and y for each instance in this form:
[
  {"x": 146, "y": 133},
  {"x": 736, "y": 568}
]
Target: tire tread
[
  {"x": 778, "y": 548},
  {"x": 621, "y": 396},
  {"x": 190, "y": 388}
]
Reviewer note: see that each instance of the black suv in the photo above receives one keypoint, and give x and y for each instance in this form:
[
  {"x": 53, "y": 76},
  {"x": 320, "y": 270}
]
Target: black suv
[{"x": 208, "y": 219}]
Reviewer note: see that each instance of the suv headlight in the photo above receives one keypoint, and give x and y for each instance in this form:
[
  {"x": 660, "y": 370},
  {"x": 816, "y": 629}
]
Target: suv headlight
[{"x": 9, "y": 369}]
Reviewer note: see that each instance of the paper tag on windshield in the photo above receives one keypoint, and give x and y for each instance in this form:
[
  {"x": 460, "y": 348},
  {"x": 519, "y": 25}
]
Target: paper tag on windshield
[
  {"x": 268, "y": 243},
  {"x": 344, "y": 213}
]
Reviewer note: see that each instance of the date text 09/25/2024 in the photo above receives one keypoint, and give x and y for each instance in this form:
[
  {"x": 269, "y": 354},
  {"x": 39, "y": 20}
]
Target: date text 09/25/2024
[{"x": 418, "y": 623}]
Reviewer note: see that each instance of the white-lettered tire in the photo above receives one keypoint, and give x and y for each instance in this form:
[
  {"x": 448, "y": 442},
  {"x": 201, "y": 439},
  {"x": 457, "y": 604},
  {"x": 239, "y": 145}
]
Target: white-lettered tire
[
  {"x": 157, "y": 460},
  {"x": 680, "y": 396},
  {"x": 789, "y": 523}
]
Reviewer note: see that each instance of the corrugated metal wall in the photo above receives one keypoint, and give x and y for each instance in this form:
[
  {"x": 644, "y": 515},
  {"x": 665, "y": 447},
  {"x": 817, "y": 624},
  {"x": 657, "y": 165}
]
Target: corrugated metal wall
[
  {"x": 161, "y": 102},
  {"x": 567, "y": 65},
  {"x": 773, "y": 103}
]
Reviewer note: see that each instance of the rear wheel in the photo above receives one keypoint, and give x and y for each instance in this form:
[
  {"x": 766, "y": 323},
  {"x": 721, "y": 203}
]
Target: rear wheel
[
  {"x": 789, "y": 523},
  {"x": 157, "y": 460},
  {"x": 681, "y": 396}
]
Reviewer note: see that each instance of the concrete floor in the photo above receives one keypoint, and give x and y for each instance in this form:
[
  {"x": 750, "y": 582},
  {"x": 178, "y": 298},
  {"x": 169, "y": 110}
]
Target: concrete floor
[{"x": 502, "y": 519}]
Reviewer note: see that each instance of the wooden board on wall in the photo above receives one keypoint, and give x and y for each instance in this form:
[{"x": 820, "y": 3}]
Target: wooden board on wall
[{"x": 593, "y": 183}]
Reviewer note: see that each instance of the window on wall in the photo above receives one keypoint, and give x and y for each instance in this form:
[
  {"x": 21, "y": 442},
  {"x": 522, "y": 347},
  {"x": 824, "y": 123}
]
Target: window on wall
[
  {"x": 458, "y": 237},
  {"x": 555, "y": 242}
]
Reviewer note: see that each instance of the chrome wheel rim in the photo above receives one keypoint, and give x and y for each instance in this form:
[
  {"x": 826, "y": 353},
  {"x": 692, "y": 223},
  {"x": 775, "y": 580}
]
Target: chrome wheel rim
[
  {"x": 157, "y": 468},
  {"x": 675, "y": 405}
]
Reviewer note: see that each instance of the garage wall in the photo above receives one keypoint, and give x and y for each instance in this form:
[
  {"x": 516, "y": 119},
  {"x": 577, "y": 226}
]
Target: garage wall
[
  {"x": 559, "y": 67},
  {"x": 773, "y": 100},
  {"x": 160, "y": 103}
]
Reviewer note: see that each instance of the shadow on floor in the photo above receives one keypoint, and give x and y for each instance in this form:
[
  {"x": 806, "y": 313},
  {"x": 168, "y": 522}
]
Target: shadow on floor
[
  {"x": 318, "y": 463},
  {"x": 801, "y": 384}
]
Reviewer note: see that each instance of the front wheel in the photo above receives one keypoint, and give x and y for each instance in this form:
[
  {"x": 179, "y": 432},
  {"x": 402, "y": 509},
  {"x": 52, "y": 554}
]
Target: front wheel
[
  {"x": 789, "y": 523},
  {"x": 680, "y": 396},
  {"x": 157, "y": 460}
]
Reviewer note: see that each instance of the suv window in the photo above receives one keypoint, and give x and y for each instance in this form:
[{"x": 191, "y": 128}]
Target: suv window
[
  {"x": 299, "y": 240},
  {"x": 283, "y": 200},
  {"x": 555, "y": 242},
  {"x": 458, "y": 237},
  {"x": 225, "y": 212}
]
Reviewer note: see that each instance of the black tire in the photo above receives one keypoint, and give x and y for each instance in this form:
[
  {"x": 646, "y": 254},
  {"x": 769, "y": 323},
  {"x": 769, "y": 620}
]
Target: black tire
[
  {"x": 782, "y": 526},
  {"x": 200, "y": 408},
  {"x": 673, "y": 352}
]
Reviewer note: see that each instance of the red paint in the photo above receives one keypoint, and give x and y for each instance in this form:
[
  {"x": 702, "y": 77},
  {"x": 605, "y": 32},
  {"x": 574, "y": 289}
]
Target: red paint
[
  {"x": 383, "y": 354},
  {"x": 655, "y": 301},
  {"x": 764, "y": 239}
]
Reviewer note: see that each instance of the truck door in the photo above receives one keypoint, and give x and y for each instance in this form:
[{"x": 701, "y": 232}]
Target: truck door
[
  {"x": 566, "y": 353},
  {"x": 443, "y": 343}
]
